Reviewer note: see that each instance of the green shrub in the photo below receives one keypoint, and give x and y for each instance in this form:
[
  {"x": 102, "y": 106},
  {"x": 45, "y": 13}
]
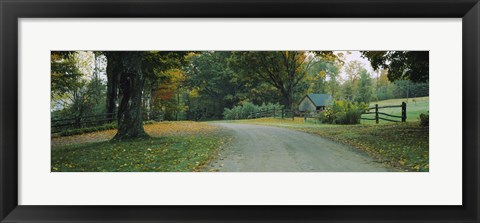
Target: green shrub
[
  {"x": 103, "y": 127},
  {"x": 343, "y": 112},
  {"x": 424, "y": 119},
  {"x": 70, "y": 132}
]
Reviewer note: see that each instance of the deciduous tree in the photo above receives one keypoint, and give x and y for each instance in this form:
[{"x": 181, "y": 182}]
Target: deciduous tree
[
  {"x": 134, "y": 68},
  {"x": 401, "y": 65},
  {"x": 283, "y": 70}
]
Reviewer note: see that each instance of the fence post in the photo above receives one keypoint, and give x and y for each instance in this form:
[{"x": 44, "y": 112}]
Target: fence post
[
  {"x": 283, "y": 111},
  {"x": 404, "y": 112},
  {"x": 376, "y": 113}
]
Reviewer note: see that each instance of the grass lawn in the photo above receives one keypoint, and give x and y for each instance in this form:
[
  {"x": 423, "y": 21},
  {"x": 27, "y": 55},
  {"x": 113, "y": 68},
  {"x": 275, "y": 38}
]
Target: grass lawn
[
  {"x": 402, "y": 146},
  {"x": 173, "y": 147},
  {"x": 415, "y": 106}
]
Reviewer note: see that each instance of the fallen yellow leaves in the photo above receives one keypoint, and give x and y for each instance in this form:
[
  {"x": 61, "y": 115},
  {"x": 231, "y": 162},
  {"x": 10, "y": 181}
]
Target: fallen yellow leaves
[
  {"x": 179, "y": 128},
  {"x": 155, "y": 130},
  {"x": 84, "y": 138}
]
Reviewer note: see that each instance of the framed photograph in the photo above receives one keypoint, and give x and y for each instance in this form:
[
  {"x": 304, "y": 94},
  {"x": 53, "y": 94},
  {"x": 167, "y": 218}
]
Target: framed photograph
[{"x": 227, "y": 111}]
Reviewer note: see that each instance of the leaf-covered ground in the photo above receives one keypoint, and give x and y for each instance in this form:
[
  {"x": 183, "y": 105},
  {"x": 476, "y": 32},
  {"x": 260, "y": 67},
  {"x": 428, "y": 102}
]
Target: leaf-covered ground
[
  {"x": 403, "y": 146},
  {"x": 173, "y": 147},
  {"x": 158, "y": 129}
]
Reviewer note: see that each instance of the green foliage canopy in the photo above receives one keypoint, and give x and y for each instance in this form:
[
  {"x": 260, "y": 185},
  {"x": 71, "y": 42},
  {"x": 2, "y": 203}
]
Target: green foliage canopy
[
  {"x": 411, "y": 65},
  {"x": 64, "y": 73}
]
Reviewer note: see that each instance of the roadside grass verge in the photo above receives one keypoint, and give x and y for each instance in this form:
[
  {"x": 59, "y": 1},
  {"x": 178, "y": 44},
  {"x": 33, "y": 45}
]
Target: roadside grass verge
[
  {"x": 402, "y": 146},
  {"x": 173, "y": 147}
]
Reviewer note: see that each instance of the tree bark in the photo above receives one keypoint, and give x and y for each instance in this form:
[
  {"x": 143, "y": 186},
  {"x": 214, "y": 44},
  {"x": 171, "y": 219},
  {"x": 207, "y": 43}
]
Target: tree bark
[
  {"x": 150, "y": 105},
  {"x": 113, "y": 74},
  {"x": 131, "y": 82}
]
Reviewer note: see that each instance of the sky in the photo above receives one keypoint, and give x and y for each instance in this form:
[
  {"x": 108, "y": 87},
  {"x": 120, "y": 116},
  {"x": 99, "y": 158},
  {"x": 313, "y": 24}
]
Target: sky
[{"x": 356, "y": 55}]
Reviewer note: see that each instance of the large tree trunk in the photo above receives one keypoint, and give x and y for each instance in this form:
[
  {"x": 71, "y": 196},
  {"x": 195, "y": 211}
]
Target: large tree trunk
[
  {"x": 288, "y": 102},
  {"x": 286, "y": 98},
  {"x": 113, "y": 74},
  {"x": 131, "y": 84},
  {"x": 151, "y": 105}
]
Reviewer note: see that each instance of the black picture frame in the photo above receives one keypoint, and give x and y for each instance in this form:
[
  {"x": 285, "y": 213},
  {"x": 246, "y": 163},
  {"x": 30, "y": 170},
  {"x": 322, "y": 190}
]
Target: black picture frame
[{"x": 11, "y": 11}]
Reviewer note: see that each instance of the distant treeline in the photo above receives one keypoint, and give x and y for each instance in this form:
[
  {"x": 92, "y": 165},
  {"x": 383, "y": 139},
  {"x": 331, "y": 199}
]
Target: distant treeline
[{"x": 401, "y": 89}]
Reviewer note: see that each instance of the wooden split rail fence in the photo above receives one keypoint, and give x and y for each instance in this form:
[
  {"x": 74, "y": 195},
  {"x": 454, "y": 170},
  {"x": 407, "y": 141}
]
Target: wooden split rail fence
[
  {"x": 59, "y": 125},
  {"x": 95, "y": 120},
  {"x": 273, "y": 112},
  {"x": 403, "y": 117}
]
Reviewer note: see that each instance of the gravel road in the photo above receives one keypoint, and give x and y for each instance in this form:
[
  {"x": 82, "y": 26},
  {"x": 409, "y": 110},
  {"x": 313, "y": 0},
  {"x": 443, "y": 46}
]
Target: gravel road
[{"x": 272, "y": 149}]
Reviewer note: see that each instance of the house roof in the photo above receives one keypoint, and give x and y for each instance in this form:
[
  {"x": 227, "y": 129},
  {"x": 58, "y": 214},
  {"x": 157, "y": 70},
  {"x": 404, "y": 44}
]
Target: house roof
[{"x": 320, "y": 99}]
